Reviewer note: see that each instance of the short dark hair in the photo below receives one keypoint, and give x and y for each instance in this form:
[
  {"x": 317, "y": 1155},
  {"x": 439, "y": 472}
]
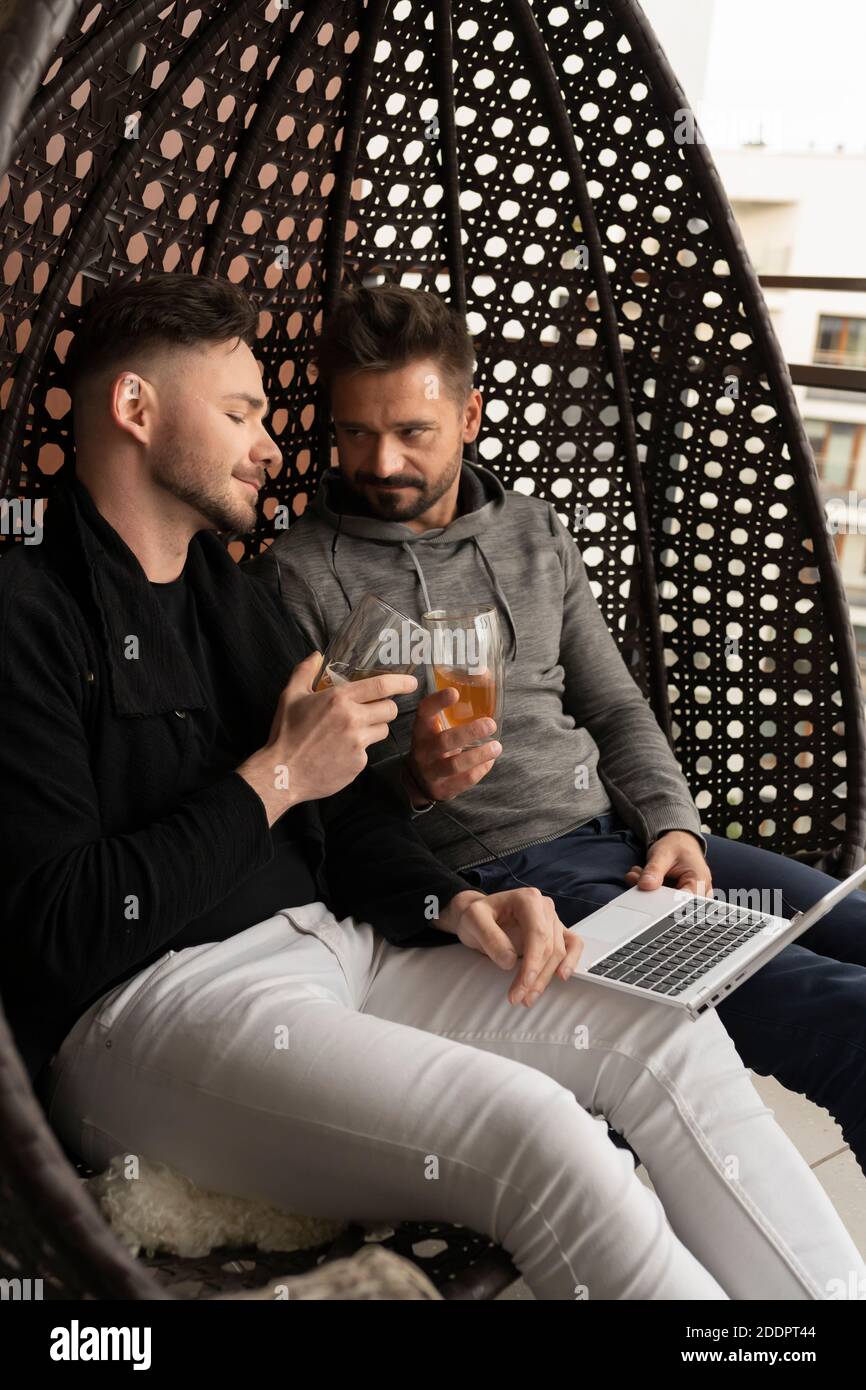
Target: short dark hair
[
  {"x": 383, "y": 327},
  {"x": 157, "y": 310}
]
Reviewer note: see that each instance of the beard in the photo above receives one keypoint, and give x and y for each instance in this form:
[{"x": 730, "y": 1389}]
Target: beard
[
  {"x": 411, "y": 500},
  {"x": 192, "y": 478}
]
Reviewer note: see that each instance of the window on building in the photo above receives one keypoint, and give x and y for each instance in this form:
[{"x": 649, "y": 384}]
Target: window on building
[
  {"x": 841, "y": 342},
  {"x": 835, "y": 447}
]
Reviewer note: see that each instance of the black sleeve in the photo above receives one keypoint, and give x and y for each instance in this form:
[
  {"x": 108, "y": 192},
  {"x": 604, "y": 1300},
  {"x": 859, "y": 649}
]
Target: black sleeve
[
  {"x": 67, "y": 886},
  {"x": 379, "y": 870}
]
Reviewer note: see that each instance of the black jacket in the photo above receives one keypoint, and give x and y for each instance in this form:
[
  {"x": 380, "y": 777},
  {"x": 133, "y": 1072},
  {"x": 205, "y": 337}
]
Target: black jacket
[{"x": 97, "y": 808}]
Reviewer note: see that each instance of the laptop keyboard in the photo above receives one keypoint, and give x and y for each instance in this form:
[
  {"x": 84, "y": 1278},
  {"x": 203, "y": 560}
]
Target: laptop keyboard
[{"x": 680, "y": 948}]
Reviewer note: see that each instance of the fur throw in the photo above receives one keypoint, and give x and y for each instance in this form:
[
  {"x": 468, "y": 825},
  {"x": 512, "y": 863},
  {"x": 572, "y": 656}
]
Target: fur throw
[{"x": 162, "y": 1210}]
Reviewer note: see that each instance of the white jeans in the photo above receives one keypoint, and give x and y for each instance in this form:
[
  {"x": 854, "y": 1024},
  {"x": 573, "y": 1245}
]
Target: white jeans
[{"x": 309, "y": 1062}]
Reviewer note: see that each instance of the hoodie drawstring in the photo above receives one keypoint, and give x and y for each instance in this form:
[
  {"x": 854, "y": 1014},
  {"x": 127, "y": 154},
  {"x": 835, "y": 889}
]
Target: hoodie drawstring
[
  {"x": 428, "y": 606},
  {"x": 497, "y": 588},
  {"x": 334, "y": 564}
]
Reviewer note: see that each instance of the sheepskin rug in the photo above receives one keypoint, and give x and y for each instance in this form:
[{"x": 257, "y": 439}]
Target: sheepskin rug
[{"x": 162, "y": 1210}]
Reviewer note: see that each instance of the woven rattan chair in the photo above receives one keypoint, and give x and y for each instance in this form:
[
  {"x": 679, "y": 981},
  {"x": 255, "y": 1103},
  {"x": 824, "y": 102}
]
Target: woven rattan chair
[
  {"x": 536, "y": 164},
  {"x": 52, "y": 1231}
]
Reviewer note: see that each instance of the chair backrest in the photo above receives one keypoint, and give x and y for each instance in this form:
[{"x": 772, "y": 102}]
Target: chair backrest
[
  {"x": 50, "y": 1227},
  {"x": 538, "y": 165}
]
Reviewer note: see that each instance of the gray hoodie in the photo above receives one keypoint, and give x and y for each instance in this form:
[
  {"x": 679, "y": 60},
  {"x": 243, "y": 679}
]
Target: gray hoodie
[{"x": 578, "y": 738}]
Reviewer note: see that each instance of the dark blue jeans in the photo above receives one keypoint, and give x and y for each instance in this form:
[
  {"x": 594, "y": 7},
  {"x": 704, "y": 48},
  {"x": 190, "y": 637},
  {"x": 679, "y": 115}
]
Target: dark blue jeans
[{"x": 801, "y": 1017}]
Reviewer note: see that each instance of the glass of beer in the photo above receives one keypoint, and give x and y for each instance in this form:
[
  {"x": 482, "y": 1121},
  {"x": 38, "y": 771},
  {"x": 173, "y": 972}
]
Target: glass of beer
[
  {"x": 466, "y": 655},
  {"x": 375, "y": 640}
]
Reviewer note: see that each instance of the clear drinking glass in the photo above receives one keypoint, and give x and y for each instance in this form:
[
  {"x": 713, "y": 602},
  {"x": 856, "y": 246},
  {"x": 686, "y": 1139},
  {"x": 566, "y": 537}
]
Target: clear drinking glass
[
  {"x": 375, "y": 640},
  {"x": 466, "y": 655}
]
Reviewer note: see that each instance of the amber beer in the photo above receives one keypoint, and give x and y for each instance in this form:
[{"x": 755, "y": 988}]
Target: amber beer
[
  {"x": 339, "y": 673},
  {"x": 375, "y": 640},
  {"x": 477, "y": 695},
  {"x": 467, "y": 657}
]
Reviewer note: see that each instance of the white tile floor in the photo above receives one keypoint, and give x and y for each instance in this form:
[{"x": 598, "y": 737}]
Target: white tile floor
[{"x": 819, "y": 1140}]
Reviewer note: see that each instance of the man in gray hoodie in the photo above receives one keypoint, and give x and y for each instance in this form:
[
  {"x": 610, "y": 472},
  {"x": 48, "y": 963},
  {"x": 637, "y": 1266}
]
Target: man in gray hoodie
[{"x": 583, "y": 796}]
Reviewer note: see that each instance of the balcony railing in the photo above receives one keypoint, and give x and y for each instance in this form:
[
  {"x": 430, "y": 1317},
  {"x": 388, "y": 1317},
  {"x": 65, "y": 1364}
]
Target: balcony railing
[
  {"x": 812, "y": 282},
  {"x": 832, "y": 378}
]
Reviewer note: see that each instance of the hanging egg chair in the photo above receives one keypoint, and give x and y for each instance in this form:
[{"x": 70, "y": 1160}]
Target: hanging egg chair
[{"x": 536, "y": 164}]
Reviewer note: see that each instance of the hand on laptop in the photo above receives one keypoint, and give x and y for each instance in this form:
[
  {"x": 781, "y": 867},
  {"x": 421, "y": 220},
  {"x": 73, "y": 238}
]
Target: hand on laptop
[
  {"x": 677, "y": 855},
  {"x": 319, "y": 739},
  {"x": 517, "y": 922},
  {"x": 435, "y": 763}
]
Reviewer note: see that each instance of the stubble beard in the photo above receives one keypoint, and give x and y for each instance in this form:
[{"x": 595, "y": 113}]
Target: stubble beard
[
  {"x": 191, "y": 481},
  {"x": 394, "y": 506}
]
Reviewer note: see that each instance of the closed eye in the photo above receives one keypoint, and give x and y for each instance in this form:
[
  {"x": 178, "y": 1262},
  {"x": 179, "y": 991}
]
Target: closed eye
[{"x": 238, "y": 418}]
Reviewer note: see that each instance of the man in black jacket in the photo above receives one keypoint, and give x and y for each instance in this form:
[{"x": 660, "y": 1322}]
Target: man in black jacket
[
  {"x": 164, "y": 757},
  {"x": 167, "y": 931}
]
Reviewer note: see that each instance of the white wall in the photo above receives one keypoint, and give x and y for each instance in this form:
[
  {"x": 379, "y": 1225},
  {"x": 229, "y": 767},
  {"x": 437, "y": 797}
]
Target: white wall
[
  {"x": 684, "y": 29},
  {"x": 816, "y": 205}
]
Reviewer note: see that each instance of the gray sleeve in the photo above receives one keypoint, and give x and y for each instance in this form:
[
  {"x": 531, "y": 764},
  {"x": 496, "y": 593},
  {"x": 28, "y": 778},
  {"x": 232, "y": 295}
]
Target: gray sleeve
[
  {"x": 299, "y": 599},
  {"x": 601, "y": 695}
]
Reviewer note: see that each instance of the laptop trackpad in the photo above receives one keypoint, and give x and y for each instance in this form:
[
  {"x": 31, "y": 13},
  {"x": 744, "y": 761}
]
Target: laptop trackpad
[{"x": 609, "y": 929}]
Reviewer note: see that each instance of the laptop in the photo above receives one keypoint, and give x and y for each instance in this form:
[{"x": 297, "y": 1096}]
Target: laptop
[{"x": 685, "y": 950}]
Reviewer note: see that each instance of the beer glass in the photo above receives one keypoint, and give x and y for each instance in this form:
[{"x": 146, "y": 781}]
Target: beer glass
[
  {"x": 466, "y": 655},
  {"x": 375, "y": 640}
]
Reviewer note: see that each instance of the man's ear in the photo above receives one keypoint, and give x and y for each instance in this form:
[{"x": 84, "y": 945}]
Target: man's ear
[
  {"x": 472, "y": 416},
  {"x": 130, "y": 403}
]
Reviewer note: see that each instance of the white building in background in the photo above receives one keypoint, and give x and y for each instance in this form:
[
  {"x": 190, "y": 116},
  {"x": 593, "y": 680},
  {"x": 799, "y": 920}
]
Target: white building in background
[
  {"x": 801, "y": 213},
  {"x": 685, "y": 28},
  {"x": 804, "y": 214}
]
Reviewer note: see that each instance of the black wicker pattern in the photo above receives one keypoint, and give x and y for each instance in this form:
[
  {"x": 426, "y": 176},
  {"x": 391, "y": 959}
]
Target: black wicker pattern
[
  {"x": 524, "y": 159},
  {"x": 459, "y": 1262},
  {"x": 50, "y": 1229}
]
